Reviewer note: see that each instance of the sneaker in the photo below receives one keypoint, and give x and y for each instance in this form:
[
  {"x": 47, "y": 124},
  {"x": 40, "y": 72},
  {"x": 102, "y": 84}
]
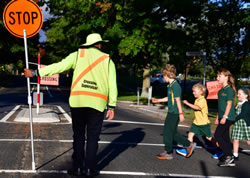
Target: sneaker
[
  {"x": 218, "y": 154},
  {"x": 236, "y": 158},
  {"x": 182, "y": 152},
  {"x": 190, "y": 149},
  {"x": 165, "y": 155},
  {"x": 227, "y": 162}
]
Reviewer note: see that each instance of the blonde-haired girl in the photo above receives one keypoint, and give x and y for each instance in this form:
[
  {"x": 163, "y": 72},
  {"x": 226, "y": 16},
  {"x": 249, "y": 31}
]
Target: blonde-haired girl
[{"x": 226, "y": 116}]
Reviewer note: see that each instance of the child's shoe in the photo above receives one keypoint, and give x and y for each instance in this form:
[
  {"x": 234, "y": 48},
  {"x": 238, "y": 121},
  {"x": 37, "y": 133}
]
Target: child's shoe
[
  {"x": 165, "y": 155},
  {"x": 218, "y": 154},
  {"x": 190, "y": 149},
  {"x": 227, "y": 162},
  {"x": 236, "y": 158},
  {"x": 182, "y": 152}
]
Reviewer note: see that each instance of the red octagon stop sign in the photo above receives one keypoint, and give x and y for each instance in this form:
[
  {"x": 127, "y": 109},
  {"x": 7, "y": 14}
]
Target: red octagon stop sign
[{"x": 23, "y": 14}]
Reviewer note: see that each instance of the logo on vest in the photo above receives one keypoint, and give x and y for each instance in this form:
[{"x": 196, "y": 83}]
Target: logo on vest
[{"x": 89, "y": 84}]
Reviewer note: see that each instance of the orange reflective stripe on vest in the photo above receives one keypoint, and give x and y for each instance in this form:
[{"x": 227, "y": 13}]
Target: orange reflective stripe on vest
[
  {"x": 82, "y": 53},
  {"x": 88, "y": 69},
  {"x": 89, "y": 93}
]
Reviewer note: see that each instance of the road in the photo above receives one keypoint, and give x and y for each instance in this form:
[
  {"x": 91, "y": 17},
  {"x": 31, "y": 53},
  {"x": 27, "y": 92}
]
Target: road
[{"x": 127, "y": 146}]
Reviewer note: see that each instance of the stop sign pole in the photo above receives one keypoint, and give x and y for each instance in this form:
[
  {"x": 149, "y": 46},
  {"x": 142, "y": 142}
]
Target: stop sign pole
[
  {"x": 24, "y": 19},
  {"x": 29, "y": 101}
]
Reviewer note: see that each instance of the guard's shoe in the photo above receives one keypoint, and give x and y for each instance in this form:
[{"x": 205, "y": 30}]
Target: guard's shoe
[
  {"x": 218, "y": 154},
  {"x": 165, "y": 155},
  {"x": 182, "y": 152},
  {"x": 227, "y": 162},
  {"x": 190, "y": 149},
  {"x": 76, "y": 171},
  {"x": 91, "y": 173}
]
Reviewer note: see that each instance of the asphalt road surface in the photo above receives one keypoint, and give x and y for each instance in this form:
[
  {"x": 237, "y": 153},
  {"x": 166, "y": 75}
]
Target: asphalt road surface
[{"x": 127, "y": 148}]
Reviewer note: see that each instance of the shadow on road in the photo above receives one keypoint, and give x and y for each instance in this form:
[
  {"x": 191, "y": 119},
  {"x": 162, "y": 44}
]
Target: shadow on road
[
  {"x": 56, "y": 157},
  {"x": 119, "y": 145}
]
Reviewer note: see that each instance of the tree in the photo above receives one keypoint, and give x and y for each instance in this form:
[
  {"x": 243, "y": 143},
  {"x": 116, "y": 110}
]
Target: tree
[
  {"x": 11, "y": 47},
  {"x": 140, "y": 32},
  {"x": 223, "y": 33}
]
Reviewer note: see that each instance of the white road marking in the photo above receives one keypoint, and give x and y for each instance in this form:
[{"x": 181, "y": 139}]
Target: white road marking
[
  {"x": 108, "y": 173},
  {"x": 70, "y": 120},
  {"x": 10, "y": 114},
  {"x": 140, "y": 123},
  {"x": 65, "y": 114},
  {"x": 101, "y": 142}
]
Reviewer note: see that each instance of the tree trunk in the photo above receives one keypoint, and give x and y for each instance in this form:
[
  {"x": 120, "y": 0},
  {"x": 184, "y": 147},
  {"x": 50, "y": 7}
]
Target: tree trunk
[{"x": 146, "y": 81}]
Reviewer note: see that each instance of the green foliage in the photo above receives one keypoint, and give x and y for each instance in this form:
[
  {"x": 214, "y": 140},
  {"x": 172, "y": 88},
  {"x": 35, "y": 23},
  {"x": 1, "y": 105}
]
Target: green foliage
[
  {"x": 142, "y": 32},
  {"x": 11, "y": 47}
]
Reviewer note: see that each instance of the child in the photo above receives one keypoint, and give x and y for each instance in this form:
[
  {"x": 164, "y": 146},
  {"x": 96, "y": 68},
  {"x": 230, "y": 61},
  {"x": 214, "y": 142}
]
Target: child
[
  {"x": 226, "y": 116},
  {"x": 201, "y": 123},
  {"x": 174, "y": 115},
  {"x": 241, "y": 129}
]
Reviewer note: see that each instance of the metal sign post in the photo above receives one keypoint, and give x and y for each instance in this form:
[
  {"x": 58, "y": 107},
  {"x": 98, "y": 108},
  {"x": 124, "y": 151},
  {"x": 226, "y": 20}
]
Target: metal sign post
[
  {"x": 38, "y": 86},
  {"x": 29, "y": 100},
  {"x": 24, "y": 19}
]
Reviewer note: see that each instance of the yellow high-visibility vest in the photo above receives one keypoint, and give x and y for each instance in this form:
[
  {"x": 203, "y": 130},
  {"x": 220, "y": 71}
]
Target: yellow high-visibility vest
[{"x": 94, "y": 78}]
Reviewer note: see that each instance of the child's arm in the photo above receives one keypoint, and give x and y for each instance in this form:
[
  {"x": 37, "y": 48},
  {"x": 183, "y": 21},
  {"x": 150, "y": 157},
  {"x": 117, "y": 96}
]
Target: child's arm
[
  {"x": 194, "y": 107},
  {"x": 224, "y": 118},
  {"x": 161, "y": 100},
  {"x": 217, "y": 119},
  {"x": 243, "y": 113},
  {"x": 178, "y": 102}
]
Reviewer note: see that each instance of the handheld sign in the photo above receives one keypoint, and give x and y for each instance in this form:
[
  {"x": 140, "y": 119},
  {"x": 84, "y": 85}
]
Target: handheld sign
[
  {"x": 213, "y": 87},
  {"x": 49, "y": 80},
  {"x": 24, "y": 19},
  {"x": 23, "y": 14}
]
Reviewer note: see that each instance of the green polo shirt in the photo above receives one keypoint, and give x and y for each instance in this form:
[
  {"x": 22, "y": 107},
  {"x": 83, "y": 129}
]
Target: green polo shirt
[
  {"x": 174, "y": 91},
  {"x": 226, "y": 94}
]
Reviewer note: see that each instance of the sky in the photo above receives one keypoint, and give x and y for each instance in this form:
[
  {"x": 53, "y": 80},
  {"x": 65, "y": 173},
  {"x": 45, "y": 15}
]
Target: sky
[{"x": 46, "y": 16}]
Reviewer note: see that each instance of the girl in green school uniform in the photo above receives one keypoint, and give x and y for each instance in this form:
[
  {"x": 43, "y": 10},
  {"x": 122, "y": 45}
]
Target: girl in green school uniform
[
  {"x": 241, "y": 129},
  {"x": 226, "y": 116}
]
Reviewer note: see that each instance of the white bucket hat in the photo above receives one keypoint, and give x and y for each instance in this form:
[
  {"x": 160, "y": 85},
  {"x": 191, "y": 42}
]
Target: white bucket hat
[{"x": 93, "y": 38}]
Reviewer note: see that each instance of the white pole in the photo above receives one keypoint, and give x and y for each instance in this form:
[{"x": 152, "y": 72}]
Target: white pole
[
  {"x": 138, "y": 95},
  {"x": 29, "y": 100},
  {"x": 149, "y": 95},
  {"x": 38, "y": 87}
]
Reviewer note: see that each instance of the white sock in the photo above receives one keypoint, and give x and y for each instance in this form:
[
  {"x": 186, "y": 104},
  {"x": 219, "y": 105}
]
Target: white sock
[{"x": 236, "y": 154}]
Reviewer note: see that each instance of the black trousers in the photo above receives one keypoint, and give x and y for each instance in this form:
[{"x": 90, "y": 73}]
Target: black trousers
[
  {"x": 90, "y": 121},
  {"x": 222, "y": 136}
]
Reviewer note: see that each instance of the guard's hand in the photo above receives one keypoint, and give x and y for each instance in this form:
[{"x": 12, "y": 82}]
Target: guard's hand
[
  {"x": 216, "y": 121},
  {"x": 110, "y": 114},
  {"x": 28, "y": 73}
]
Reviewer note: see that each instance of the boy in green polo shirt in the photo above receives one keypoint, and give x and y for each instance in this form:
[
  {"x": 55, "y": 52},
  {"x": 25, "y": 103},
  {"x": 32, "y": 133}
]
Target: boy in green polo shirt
[{"x": 174, "y": 115}]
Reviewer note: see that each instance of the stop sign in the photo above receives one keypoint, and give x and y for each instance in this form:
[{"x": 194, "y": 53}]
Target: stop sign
[{"x": 23, "y": 14}]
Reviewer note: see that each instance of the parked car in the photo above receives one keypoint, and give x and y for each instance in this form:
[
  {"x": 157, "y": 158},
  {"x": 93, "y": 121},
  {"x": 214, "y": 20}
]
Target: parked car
[
  {"x": 158, "y": 79},
  {"x": 245, "y": 79}
]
